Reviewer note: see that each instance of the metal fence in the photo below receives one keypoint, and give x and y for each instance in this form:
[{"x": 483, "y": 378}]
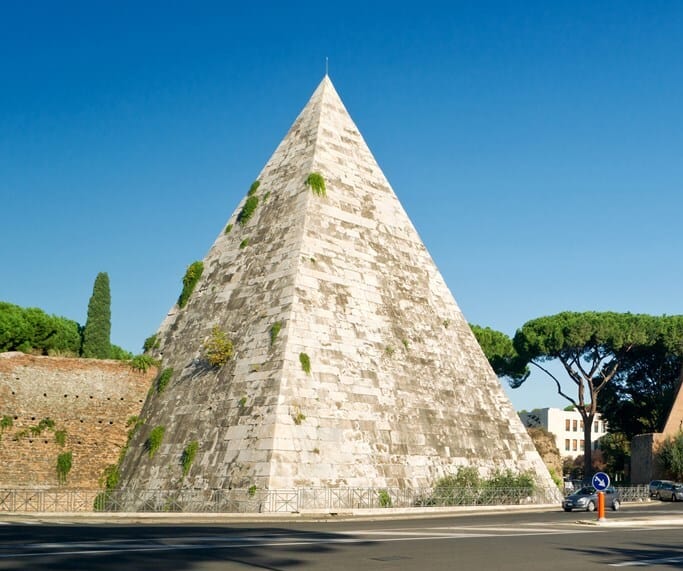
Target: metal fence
[{"x": 331, "y": 500}]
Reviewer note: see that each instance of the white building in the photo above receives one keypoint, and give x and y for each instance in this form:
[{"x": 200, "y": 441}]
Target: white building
[{"x": 567, "y": 427}]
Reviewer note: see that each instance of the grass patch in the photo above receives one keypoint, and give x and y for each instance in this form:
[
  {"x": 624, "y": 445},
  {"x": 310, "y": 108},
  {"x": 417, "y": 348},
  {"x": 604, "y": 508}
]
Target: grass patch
[
  {"x": 154, "y": 440},
  {"x": 254, "y": 187},
  {"x": 163, "y": 379},
  {"x": 244, "y": 243},
  {"x": 228, "y": 229},
  {"x": 142, "y": 363},
  {"x": 247, "y": 210},
  {"x": 188, "y": 456}
]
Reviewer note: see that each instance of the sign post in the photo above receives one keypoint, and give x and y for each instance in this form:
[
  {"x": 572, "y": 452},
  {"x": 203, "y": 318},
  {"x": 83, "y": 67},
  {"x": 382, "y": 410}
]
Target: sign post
[{"x": 601, "y": 482}]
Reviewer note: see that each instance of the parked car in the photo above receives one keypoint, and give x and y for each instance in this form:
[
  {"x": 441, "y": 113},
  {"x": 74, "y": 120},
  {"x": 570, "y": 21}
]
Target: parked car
[
  {"x": 654, "y": 487},
  {"x": 670, "y": 491},
  {"x": 587, "y": 499}
]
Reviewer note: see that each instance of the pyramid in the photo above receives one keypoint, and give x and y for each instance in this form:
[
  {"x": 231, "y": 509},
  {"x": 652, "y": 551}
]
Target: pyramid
[{"x": 353, "y": 365}]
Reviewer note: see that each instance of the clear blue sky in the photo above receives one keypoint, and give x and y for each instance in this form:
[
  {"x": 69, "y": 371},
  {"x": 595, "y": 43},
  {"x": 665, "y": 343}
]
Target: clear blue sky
[{"x": 537, "y": 146}]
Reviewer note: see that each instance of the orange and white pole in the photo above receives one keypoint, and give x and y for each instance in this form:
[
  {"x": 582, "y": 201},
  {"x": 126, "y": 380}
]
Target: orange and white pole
[{"x": 601, "y": 506}]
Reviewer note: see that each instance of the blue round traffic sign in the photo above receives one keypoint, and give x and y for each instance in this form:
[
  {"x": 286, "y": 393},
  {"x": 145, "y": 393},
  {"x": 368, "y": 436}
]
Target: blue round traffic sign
[{"x": 600, "y": 481}]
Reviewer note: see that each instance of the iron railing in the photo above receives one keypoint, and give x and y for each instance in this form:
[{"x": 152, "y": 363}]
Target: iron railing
[{"x": 331, "y": 500}]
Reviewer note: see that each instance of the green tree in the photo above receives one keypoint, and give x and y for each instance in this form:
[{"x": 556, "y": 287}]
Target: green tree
[
  {"x": 499, "y": 352},
  {"x": 96, "y": 335},
  {"x": 671, "y": 456},
  {"x": 591, "y": 348},
  {"x": 641, "y": 394},
  {"x": 31, "y": 329}
]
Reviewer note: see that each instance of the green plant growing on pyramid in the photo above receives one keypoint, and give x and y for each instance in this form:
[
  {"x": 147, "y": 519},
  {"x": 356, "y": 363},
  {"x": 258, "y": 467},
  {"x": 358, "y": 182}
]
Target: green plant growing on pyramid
[
  {"x": 218, "y": 349},
  {"x": 317, "y": 183},
  {"x": 192, "y": 275}
]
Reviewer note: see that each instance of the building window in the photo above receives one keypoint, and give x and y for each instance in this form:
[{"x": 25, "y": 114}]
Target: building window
[
  {"x": 581, "y": 445},
  {"x": 566, "y": 444},
  {"x": 581, "y": 425},
  {"x": 575, "y": 425},
  {"x": 574, "y": 445},
  {"x": 567, "y": 424}
]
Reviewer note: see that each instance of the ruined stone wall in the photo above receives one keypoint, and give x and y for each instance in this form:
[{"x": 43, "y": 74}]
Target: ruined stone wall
[{"x": 89, "y": 399}]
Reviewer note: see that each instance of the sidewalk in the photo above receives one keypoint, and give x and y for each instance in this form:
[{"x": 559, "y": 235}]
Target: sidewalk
[{"x": 165, "y": 518}]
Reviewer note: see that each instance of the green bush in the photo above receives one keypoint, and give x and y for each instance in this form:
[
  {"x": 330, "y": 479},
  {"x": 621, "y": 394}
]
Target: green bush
[
  {"x": 244, "y": 243},
  {"x": 188, "y": 456},
  {"x": 305, "y": 361},
  {"x": 143, "y": 363},
  {"x": 671, "y": 456},
  {"x": 252, "y": 491},
  {"x": 97, "y": 330},
  {"x": 60, "y": 437},
  {"x": 317, "y": 183},
  {"x": 64, "y": 462},
  {"x": 152, "y": 342},
  {"x": 274, "y": 331},
  {"x": 228, "y": 229},
  {"x": 218, "y": 348},
  {"x": 32, "y": 330},
  {"x": 384, "y": 498},
  {"x": 154, "y": 440},
  {"x": 120, "y": 354},
  {"x": 163, "y": 379},
  {"x": 254, "y": 187},
  {"x": 190, "y": 279},
  {"x": 247, "y": 210}
]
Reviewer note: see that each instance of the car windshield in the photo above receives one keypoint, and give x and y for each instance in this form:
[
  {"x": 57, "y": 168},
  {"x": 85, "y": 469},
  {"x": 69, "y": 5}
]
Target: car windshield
[{"x": 586, "y": 491}]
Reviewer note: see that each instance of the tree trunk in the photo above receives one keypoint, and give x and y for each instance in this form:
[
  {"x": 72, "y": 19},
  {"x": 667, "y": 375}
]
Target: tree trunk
[{"x": 587, "y": 446}]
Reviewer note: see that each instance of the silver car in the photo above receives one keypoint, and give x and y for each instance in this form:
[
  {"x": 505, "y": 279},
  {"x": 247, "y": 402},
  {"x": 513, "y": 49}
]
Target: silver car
[{"x": 586, "y": 499}]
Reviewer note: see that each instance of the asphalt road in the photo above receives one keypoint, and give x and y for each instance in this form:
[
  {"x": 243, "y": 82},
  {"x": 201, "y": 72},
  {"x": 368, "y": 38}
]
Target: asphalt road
[{"x": 647, "y": 536}]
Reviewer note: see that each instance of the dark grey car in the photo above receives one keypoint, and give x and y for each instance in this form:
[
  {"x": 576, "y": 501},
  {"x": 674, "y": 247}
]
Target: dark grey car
[{"x": 587, "y": 499}]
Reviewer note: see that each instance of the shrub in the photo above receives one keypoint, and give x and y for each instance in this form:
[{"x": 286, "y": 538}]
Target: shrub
[
  {"x": 142, "y": 363},
  {"x": 299, "y": 417},
  {"x": 252, "y": 491},
  {"x": 254, "y": 187},
  {"x": 384, "y": 498},
  {"x": 192, "y": 275},
  {"x": 154, "y": 440},
  {"x": 32, "y": 329},
  {"x": 163, "y": 379},
  {"x": 274, "y": 331},
  {"x": 242, "y": 402},
  {"x": 244, "y": 243},
  {"x": 317, "y": 183},
  {"x": 120, "y": 354},
  {"x": 218, "y": 348},
  {"x": 188, "y": 456},
  {"x": 228, "y": 229},
  {"x": 247, "y": 210},
  {"x": 60, "y": 437},
  {"x": 152, "y": 342},
  {"x": 305, "y": 361},
  {"x": 6, "y": 422},
  {"x": 64, "y": 462},
  {"x": 96, "y": 342},
  {"x": 671, "y": 456}
]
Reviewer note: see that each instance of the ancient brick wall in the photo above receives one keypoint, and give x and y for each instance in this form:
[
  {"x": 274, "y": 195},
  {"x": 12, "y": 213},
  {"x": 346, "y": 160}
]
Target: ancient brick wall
[{"x": 91, "y": 400}]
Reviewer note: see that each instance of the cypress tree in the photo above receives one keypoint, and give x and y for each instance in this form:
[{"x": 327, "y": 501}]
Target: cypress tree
[{"x": 96, "y": 334}]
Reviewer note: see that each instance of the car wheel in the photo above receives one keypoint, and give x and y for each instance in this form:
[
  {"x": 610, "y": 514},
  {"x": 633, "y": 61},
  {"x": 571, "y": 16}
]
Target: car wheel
[
  {"x": 590, "y": 507},
  {"x": 567, "y": 509},
  {"x": 616, "y": 504}
]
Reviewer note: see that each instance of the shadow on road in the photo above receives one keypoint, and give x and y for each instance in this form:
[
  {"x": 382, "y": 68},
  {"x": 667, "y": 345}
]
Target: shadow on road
[
  {"x": 643, "y": 554},
  {"x": 133, "y": 548}
]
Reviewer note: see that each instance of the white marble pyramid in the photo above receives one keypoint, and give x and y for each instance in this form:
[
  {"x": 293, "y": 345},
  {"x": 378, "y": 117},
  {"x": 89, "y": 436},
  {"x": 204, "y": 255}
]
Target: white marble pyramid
[{"x": 398, "y": 392}]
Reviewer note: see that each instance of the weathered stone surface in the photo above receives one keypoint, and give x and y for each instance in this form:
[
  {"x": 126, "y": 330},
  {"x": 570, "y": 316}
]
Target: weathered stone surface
[
  {"x": 399, "y": 392},
  {"x": 89, "y": 399}
]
